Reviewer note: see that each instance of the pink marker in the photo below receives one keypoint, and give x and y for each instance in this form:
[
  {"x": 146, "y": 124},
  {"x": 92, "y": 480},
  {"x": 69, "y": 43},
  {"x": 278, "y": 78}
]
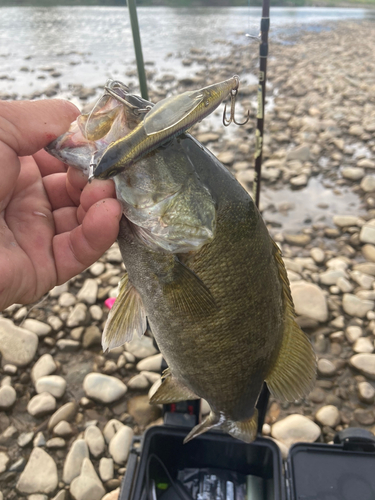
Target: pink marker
[{"x": 109, "y": 302}]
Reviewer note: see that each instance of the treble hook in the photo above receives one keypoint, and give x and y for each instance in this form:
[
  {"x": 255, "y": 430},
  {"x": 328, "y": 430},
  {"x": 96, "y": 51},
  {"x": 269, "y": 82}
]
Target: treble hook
[{"x": 226, "y": 122}]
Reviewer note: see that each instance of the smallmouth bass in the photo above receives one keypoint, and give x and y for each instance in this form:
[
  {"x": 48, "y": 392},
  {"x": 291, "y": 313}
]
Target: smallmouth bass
[{"x": 202, "y": 271}]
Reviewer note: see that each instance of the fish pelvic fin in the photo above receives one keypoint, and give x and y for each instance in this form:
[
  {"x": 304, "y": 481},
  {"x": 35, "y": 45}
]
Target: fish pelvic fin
[
  {"x": 187, "y": 292},
  {"x": 171, "y": 391},
  {"x": 293, "y": 374},
  {"x": 245, "y": 430},
  {"x": 126, "y": 317}
]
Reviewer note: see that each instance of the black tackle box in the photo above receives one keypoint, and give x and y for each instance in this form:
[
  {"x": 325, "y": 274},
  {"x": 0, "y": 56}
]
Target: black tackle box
[{"x": 160, "y": 463}]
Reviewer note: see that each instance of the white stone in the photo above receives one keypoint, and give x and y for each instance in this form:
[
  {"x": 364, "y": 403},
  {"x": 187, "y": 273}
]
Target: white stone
[
  {"x": 344, "y": 285},
  {"x": 367, "y": 234},
  {"x": 295, "y": 428},
  {"x": 63, "y": 429},
  {"x": 309, "y": 300},
  {"x": 111, "y": 428},
  {"x": 44, "y": 366},
  {"x": 331, "y": 276},
  {"x": 41, "y": 404},
  {"x": 56, "y": 442},
  {"x": 114, "y": 254},
  {"x": 317, "y": 254},
  {"x": 95, "y": 440},
  {"x": 368, "y": 183},
  {"x": 55, "y": 322},
  {"x": 365, "y": 364},
  {"x": 353, "y": 333},
  {"x": 353, "y": 173},
  {"x": 37, "y": 496},
  {"x": 4, "y": 461},
  {"x": 61, "y": 495},
  {"x": 355, "y": 306},
  {"x": 326, "y": 368},
  {"x": 8, "y": 397},
  {"x": 54, "y": 384},
  {"x": 40, "y": 474},
  {"x": 10, "y": 369},
  {"x": 39, "y": 439},
  {"x": 106, "y": 470},
  {"x": 38, "y": 327},
  {"x": 96, "y": 312},
  {"x": 363, "y": 345},
  {"x": 17, "y": 345},
  {"x": 97, "y": 269},
  {"x": 67, "y": 300},
  {"x": 364, "y": 280},
  {"x": 103, "y": 388},
  {"x": 74, "y": 459},
  {"x": 77, "y": 316},
  {"x": 328, "y": 415},
  {"x": 58, "y": 290},
  {"x": 345, "y": 220},
  {"x": 151, "y": 364},
  {"x": 89, "y": 292},
  {"x": 138, "y": 382},
  {"x": 366, "y": 392},
  {"x": 65, "y": 412},
  {"x": 152, "y": 377},
  {"x": 141, "y": 347},
  {"x": 112, "y": 495},
  {"x": 119, "y": 447},
  {"x": 25, "y": 438},
  {"x": 87, "y": 486}
]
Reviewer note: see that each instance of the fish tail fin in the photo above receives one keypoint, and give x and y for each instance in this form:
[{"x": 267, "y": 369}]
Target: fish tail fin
[{"x": 245, "y": 430}]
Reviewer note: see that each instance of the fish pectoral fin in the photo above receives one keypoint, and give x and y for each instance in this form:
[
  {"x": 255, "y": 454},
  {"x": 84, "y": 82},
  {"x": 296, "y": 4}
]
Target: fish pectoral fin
[
  {"x": 126, "y": 317},
  {"x": 171, "y": 391},
  {"x": 187, "y": 293},
  {"x": 245, "y": 430},
  {"x": 293, "y": 374}
]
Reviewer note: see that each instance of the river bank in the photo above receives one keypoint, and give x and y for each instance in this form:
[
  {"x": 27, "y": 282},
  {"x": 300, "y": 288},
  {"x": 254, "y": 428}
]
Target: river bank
[{"x": 319, "y": 146}]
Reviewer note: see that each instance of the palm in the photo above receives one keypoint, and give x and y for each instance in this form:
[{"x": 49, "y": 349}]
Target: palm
[{"x": 53, "y": 224}]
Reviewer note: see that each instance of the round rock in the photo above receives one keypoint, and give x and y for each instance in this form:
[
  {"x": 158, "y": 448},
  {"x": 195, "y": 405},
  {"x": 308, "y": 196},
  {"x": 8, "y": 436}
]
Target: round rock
[
  {"x": 309, "y": 300},
  {"x": 8, "y": 397},
  {"x": 106, "y": 470},
  {"x": 103, "y": 388},
  {"x": 119, "y": 446},
  {"x": 295, "y": 428},
  {"x": 87, "y": 485},
  {"x": 141, "y": 348},
  {"x": 40, "y": 474},
  {"x": 38, "y": 327},
  {"x": 74, "y": 460},
  {"x": 365, "y": 364},
  {"x": 151, "y": 364},
  {"x": 43, "y": 367},
  {"x": 41, "y": 404},
  {"x": 17, "y": 345},
  {"x": 95, "y": 440},
  {"x": 366, "y": 392},
  {"x": 65, "y": 412},
  {"x": 88, "y": 292},
  {"x": 354, "y": 306},
  {"x": 111, "y": 428},
  {"x": 326, "y": 368},
  {"x": 4, "y": 460},
  {"x": 53, "y": 384},
  {"x": 328, "y": 415},
  {"x": 363, "y": 345}
]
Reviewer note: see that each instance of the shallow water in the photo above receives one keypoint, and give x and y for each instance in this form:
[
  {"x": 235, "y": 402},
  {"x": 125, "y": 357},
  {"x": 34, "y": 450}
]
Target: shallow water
[
  {"x": 309, "y": 205},
  {"x": 87, "y": 45}
]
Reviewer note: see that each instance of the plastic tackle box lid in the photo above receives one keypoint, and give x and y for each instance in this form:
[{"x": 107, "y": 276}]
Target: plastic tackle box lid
[{"x": 330, "y": 472}]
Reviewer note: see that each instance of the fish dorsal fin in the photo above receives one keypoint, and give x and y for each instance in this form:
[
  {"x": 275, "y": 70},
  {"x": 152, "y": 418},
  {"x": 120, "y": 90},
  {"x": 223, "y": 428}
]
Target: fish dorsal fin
[
  {"x": 171, "y": 391},
  {"x": 293, "y": 374},
  {"x": 168, "y": 112},
  {"x": 126, "y": 317},
  {"x": 187, "y": 293}
]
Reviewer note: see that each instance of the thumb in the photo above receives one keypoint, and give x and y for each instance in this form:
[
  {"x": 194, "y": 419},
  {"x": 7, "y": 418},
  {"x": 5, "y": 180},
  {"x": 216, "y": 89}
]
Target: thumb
[{"x": 28, "y": 126}]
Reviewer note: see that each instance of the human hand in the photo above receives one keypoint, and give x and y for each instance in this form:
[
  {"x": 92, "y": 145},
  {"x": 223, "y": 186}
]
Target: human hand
[{"x": 53, "y": 225}]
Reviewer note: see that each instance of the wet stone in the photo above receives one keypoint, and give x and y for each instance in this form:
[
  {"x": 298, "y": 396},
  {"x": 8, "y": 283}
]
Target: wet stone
[{"x": 326, "y": 368}]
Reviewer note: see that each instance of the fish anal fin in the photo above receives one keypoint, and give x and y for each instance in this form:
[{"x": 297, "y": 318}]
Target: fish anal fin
[
  {"x": 245, "y": 430},
  {"x": 293, "y": 374},
  {"x": 172, "y": 391},
  {"x": 126, "y": 317},
  {"x": 187, "y": 292}
]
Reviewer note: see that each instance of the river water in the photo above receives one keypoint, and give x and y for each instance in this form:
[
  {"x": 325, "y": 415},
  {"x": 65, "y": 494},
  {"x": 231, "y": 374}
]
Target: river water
[{"x": 87, "y": 45}]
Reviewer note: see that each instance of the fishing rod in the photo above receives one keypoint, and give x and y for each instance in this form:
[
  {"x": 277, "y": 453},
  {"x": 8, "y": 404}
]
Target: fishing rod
[
  {"x": 263, "y": 53},
  {"x": 138, "y": 48},
  {"x": 264, "y": 396}
]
